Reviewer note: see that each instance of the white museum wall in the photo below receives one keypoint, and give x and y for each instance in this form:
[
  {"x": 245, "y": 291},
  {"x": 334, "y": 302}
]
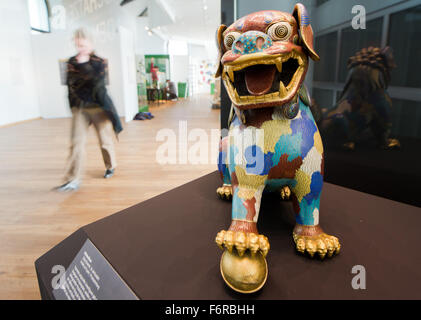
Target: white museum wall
[
  {"x": 179, "y": 61},
  {"x": 102, "y": 20},
  {"x": 128, "y": 71},
  {"x": 201, "y": 54},
  {"x": 34, "y": 58},
  {"x": 148, "y": 44},
  {"x": 179, "y": 68},
  {"x": 18, "y": 95},
  {"x": 52, "y": 94}
]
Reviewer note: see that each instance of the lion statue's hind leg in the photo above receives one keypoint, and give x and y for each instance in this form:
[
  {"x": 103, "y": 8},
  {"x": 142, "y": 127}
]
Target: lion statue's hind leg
[{"x": 224, "y": 192}]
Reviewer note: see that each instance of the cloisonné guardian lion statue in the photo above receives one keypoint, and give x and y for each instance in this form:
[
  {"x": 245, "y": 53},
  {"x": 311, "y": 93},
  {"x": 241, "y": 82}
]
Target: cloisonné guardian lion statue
[{"x": 263, "y": 62}]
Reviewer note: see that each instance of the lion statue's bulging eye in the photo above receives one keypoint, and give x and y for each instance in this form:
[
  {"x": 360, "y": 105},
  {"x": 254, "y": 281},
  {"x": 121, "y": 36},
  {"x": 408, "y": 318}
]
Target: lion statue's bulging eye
[
  {"x": 230, "y": 38},
  {"x": 280, "y": 31}
]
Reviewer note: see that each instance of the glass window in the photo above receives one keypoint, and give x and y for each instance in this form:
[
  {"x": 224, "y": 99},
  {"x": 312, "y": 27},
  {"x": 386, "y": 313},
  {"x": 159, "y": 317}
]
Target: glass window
[
  {"x": 324, "y": 70},
  {"x": 406, "y": 118},
  {"x": 323, "y": 98},
  {"x": 38, "y": 15},
  {"x": 404, "y": 38},
  {"x": 354, "y": 40}
]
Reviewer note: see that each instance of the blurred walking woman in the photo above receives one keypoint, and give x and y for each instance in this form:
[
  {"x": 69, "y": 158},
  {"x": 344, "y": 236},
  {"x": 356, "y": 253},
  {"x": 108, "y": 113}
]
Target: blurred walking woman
[{"x": 90, "y": 104}]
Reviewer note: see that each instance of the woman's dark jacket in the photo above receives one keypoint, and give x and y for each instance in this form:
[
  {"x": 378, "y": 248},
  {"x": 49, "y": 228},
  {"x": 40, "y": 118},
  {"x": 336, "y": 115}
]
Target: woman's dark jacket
[{"x": 86, "y": 83}]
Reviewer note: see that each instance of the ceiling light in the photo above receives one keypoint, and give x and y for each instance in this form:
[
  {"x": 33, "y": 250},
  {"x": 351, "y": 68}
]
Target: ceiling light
[{"x": 205, "y": 8}]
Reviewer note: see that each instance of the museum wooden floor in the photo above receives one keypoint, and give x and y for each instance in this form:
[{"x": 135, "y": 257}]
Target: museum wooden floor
[{"x": 34, "y": 218}]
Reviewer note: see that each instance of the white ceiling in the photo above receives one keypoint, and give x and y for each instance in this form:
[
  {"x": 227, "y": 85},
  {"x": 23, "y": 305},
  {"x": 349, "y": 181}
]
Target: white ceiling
[
  {"x": 193, "y": 20},
  {"x": 196, "y": 20}
]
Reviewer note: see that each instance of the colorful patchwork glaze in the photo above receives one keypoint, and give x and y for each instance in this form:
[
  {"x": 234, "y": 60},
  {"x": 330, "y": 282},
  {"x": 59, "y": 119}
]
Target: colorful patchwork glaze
[
  {"x": 281, "y": 152},
  {"x": 251, "y": 42}
]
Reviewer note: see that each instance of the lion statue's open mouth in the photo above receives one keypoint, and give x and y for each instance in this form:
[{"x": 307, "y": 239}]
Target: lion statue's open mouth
[{"x": 261, "y": 78}]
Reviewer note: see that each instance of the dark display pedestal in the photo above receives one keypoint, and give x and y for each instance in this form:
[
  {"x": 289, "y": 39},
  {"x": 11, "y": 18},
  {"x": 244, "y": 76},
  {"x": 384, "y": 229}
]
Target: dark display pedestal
[{"x": 164, "y": 247}]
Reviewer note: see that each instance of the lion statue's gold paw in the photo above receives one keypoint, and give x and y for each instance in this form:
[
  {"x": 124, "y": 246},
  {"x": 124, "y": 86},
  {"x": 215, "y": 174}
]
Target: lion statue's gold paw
[
  {"x": 225, "y": 192},
  {"x": 242, "y": 241},
  {"x": 285, "y": 193},
  {"x": 323, "y": 244},
  {"x": 393, "y": 144},
  {"x": 243, "y": 265}
]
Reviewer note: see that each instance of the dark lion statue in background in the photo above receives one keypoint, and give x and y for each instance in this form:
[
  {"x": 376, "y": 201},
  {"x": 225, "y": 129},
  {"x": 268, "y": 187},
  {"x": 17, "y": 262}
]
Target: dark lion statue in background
[{"x": 364, "y": 105}]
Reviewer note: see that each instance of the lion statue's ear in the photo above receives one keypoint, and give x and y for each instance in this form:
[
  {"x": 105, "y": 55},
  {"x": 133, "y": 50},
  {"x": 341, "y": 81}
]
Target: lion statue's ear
[
  {"x": 221, "y": 48},
  {"x": 306, "y": 32}
]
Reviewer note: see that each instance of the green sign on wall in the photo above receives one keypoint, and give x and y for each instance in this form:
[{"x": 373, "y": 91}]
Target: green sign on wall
[{"x": 160, "y": 62}]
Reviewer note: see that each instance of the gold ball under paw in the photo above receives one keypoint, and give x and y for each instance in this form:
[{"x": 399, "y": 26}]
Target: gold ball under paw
[{"x": 245, "y": 274}]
